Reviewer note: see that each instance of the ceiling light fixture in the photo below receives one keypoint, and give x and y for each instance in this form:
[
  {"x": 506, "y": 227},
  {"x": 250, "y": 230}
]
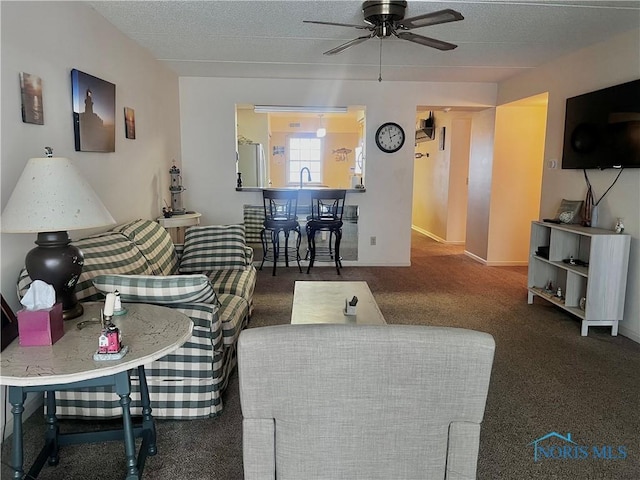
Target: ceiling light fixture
[
  {"x": 298, "y": 109},
  {"x": 321, "y": 132}
]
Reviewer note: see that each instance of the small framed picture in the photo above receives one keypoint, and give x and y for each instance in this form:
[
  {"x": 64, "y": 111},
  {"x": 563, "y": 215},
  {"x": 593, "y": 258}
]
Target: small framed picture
[
  {"x": 442, "y": 138},
  {"x": 31, "y": 91},
  {"x": 129, "y": 123}
]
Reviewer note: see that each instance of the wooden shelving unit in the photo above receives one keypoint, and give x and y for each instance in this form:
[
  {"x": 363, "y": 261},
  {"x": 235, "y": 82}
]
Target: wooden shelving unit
[{"x": 602, "y": 282}]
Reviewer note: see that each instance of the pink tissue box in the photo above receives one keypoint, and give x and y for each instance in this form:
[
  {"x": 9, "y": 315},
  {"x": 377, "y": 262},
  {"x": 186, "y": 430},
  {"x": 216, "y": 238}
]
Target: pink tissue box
[{"x": 40, "y": 327}]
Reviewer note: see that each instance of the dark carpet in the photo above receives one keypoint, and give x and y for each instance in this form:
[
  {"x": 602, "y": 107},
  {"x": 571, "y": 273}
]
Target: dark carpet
[{"x": 546, "y": 378}]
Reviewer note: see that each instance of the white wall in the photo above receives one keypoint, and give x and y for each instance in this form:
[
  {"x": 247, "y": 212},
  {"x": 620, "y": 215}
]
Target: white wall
[
  {"x": 208, "y": 138},
  {"x": 440, "y": 180},
  {"x": 48, "y": 39},
  {"x": 517, "y": 174},
  {"x": 480, "y": 174},
  {"x": 602, "y": 65},
  {"x": 431, "y": 182},
  {"x": 459, "y": 143}
]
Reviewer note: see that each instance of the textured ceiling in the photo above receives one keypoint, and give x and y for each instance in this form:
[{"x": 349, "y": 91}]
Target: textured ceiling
[{"x": 496, "y": 40}]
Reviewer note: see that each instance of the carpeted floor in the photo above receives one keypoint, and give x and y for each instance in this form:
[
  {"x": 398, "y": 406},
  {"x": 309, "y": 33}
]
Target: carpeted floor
[{"x": 546, "y": 378}]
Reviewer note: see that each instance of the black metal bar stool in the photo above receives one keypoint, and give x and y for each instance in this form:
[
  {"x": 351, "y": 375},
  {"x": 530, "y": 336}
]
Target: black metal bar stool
[
  {"x": 327, "y": 207},
  {"x": 280, "y": 210}
]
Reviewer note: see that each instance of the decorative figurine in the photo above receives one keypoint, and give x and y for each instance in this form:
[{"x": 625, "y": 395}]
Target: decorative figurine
[
  {"x": 176, "y": 190},
  {"x": 619, "y": 225},
  {"x": 110, "y": 340},
  {"x": 118, "y": 309},
  {"x": 239, "y": 182}
]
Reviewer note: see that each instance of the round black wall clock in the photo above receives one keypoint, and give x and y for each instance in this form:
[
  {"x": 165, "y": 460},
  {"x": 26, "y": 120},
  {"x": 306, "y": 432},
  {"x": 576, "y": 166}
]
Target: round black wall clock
[{"x": 390, "y": 137}]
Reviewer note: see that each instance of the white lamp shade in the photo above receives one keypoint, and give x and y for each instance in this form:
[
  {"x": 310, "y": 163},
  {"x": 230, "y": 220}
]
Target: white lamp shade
[{"x": 51, "y": 196}]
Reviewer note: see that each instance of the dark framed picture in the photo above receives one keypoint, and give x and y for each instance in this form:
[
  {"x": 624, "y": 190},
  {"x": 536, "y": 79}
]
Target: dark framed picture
[
  {"x": 31, "y": 92},
  {"x": 9, "y": 324},
  {"x": 94, "y": 113},
  {"x": 129, "y": 123}
]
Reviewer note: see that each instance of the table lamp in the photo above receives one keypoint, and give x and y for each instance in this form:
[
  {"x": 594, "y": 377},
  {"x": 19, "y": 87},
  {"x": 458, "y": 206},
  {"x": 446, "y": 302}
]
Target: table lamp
[{"x": 50, "y": 198}]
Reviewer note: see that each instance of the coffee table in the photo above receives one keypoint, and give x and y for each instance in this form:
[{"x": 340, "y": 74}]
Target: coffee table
[
  {"x": 323, "y": 302},
  {"x": 150, "y": 331}
]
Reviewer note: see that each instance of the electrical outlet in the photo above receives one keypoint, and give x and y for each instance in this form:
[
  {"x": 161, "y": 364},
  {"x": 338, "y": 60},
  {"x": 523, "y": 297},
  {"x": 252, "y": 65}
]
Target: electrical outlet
[{"x": 372, "y": 241}]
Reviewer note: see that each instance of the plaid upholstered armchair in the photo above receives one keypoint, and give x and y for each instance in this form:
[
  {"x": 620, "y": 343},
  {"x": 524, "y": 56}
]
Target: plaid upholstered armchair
[
  {"x": 362, "y": 401},
  {"x": 210, "y": 279}
]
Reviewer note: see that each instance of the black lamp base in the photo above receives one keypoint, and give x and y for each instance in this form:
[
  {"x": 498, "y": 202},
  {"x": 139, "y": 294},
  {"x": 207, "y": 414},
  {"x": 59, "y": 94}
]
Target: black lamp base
[
  {"x": 74, "y": 312},
  {"x": 58, "y": 263}
]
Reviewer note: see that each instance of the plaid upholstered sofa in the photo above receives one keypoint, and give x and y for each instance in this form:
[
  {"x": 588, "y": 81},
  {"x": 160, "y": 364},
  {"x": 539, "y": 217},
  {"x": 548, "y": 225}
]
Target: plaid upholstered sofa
[{"x": 139, "y": 259}]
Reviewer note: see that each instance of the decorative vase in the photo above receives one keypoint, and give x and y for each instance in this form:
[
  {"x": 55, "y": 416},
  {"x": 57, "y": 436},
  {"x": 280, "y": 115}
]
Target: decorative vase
[{"x": 583, "y": 303}]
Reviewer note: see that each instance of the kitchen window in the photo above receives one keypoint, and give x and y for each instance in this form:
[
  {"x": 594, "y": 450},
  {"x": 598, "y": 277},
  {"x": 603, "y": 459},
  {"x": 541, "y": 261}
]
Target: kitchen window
[{"x": 305, "y": 151}]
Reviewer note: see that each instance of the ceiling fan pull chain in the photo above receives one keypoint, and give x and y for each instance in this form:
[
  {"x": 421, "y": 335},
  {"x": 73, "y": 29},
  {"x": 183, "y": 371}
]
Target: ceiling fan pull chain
[{"x": 380, "y": 70}]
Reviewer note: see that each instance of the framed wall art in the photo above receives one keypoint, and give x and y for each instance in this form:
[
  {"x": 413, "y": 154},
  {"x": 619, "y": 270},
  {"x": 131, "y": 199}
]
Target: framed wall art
[
  {"x": 129, "y": 123},
  {"x": 31, "y": 91},
  {"x": 94, "y": 113}
]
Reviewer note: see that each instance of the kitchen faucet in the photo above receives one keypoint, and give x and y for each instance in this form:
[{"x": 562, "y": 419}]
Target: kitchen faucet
[{"x": 308, "y": 175}]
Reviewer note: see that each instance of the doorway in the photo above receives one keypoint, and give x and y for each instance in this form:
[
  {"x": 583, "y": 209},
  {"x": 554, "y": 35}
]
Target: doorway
[
  {"x": 440, "y": 175},
  {"x": 477, "y": 182}
]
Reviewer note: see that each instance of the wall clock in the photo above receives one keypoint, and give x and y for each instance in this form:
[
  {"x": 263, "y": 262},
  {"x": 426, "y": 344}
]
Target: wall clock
[{"x": 390, "y": 137}]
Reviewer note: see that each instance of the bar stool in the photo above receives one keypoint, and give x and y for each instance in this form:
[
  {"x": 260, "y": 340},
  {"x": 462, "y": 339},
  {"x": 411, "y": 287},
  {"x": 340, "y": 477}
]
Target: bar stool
[
  {"x": 280, "y": 210},
  {"x": 327, "y": 207}
]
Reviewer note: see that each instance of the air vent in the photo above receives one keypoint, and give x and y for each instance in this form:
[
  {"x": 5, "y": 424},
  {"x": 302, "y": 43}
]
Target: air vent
[{"x": 294, "y": 125}]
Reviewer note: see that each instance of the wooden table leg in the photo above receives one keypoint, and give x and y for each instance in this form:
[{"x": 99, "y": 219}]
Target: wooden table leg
[
  {"x": 123, "y": 389},
  {"x": 16, "y": 398},
  {"x": 148, "y": 425},
  {"x": 53, "y": 429}
]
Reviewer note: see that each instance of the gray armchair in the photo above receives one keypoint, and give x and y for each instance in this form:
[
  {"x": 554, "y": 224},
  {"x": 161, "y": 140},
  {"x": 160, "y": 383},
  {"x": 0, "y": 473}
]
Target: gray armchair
[{"x": 362, "y": 402}]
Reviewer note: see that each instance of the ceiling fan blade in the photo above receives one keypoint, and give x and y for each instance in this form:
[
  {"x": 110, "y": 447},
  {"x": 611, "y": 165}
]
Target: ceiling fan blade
[
  {"x": 361, "y": 27},
  {"x": 426, "y": 41},
  {"x": 433, "y": 18},
  {"x": 350, "y": 43}
]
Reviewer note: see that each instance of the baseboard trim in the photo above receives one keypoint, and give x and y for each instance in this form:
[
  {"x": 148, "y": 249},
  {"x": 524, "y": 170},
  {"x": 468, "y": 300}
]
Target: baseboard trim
[
  {"x": 496, "y": 264},
  {"x": 326, "y": 264},
  {"x": 475, "y": 257},
  {"x": 31, "y": 405},
  {"x": 435, "y": 237},
  {"x": 354, "y": 263},
  {"x": 628, "y": 333},
  {"x": 508, "y": 264}
]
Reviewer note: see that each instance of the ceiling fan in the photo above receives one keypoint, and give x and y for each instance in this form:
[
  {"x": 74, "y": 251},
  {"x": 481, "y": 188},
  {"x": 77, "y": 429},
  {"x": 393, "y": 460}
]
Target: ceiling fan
[{"x": 384, "y": 18}]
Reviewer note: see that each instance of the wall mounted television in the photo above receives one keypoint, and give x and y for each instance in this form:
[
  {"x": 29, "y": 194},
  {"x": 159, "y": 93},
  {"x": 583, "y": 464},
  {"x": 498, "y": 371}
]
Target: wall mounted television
[{"x": 602, "y": 128}]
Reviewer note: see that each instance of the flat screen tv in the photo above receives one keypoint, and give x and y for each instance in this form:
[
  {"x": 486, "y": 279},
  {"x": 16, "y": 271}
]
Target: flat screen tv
[{"x": 602, "y": 128}]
